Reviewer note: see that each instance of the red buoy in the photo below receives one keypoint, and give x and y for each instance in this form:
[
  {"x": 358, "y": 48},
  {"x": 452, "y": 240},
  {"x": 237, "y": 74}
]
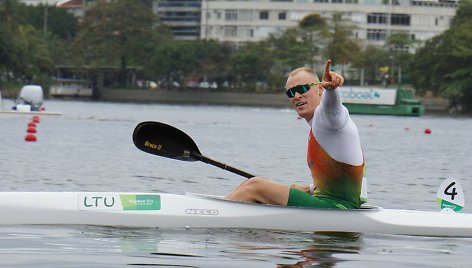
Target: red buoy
[
  {"x": 30, "y": 137},
  {"x": 427, "y": 131},
  {"x": 31, "y": 130},
  {"x": 31, "y": 124},
  {"x": 35, "y": 119}
]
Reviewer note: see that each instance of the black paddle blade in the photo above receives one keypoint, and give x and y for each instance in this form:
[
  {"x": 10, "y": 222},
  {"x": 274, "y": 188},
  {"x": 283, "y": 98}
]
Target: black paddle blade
[{"x": 164, "y": 140}]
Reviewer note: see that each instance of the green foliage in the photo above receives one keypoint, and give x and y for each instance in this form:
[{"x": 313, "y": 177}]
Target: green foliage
[
  {"x": 251, "y": 65},
  {"x": 26, "y": 53},
  {"x": 444, "y": 64},
  {"x": 288, "y": 51},
  {"x": 372, "y": 60},
  {"x": 58, "y": 21},
  {"x": 118, "y": 34},
  {"x": 312, "y": 22},
  {"x": 185, "y": 61},
  {"x": 340, "y": 45}
]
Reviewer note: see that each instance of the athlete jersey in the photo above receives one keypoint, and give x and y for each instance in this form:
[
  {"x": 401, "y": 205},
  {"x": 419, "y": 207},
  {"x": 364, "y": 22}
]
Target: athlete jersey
[{"x": 334, "y": 152}]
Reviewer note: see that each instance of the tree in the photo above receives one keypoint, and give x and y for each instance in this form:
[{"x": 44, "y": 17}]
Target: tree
[
  {"x": 341, "y": 47},
  {"x": 120, "y": 34},
  {"x": 313, "y": 29},
  {"x": 251, "y": 65},
  {"x": 25, "y": 53},
  {"x": 372, "y": 60},
  {"x": 56, "y": 20},
  {"x": 443, "y": 65},
  {"x": 288, "y": 51}
]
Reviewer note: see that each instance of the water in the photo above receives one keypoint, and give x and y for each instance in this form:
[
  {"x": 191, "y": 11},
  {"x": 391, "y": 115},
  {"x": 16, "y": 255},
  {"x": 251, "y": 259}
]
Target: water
[{"x": 90, "y": 149}]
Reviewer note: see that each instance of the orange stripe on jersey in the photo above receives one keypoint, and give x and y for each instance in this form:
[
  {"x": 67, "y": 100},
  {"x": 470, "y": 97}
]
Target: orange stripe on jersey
[{"x": 332, "y": 178}]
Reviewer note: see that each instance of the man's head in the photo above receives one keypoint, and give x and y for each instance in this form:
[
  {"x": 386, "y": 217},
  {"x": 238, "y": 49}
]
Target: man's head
[{"x": 307, "y": 96}]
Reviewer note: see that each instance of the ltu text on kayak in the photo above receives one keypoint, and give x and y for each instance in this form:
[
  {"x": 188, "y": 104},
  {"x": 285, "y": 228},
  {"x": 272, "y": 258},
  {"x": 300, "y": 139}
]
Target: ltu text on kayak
[
  {"x": 96, "y": 201},
  {"x": 199, "y": 211},
  {"x": 153, "y": 146}
]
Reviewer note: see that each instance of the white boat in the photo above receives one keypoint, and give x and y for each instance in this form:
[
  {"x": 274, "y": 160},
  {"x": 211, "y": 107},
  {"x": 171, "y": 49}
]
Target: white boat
[
  {"x": 29, "y": 99},
  {"x": 29, "y": 103},
  {"x": 13, "y": 113},
  {"x": 165, "y": 210}
]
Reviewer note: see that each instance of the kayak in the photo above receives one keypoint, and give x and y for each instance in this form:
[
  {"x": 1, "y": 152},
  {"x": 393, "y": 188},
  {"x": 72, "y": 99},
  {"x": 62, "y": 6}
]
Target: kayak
[{"x": 164, "y": 210}]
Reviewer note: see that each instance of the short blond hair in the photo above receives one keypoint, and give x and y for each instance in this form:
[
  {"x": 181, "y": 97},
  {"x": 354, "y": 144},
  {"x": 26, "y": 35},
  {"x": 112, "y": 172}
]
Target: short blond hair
[{"x": 304, "y": 69}]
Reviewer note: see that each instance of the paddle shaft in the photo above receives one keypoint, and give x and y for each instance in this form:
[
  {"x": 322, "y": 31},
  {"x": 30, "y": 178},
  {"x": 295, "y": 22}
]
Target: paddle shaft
[{"x": 221, "y": 165}]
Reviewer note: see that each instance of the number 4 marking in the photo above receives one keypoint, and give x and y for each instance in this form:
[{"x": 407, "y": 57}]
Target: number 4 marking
[{"x": 453, "y": 192}]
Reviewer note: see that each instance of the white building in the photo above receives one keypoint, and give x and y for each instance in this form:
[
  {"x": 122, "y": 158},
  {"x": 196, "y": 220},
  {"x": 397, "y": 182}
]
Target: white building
[{"x": 248, "y": 21}]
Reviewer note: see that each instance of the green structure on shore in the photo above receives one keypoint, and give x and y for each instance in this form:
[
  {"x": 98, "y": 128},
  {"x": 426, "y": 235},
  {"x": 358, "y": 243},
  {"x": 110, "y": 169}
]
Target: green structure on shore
[{"x": 381, "y": 101}]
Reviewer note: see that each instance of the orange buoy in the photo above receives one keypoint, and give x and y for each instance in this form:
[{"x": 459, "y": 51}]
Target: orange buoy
[
  {"x": 35, "y": 119},
  {"x": 30, "y": 137},
  {"x": 31, "y": 130},
  {"x": 427, "y": 131}
]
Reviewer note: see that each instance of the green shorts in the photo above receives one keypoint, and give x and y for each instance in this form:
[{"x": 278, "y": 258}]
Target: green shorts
[{"x": 297, "y": 198}]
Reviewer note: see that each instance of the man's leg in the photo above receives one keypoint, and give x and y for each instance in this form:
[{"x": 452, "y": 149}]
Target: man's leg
[{"x": 261, "y": 190}]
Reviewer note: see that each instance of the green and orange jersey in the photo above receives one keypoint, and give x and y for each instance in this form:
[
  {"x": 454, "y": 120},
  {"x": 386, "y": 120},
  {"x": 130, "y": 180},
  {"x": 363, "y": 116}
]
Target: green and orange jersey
[{"x": 333, "y": 179}]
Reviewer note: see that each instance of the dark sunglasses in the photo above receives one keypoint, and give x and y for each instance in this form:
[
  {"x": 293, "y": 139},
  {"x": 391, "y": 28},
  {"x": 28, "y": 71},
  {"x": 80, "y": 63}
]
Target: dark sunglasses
[{"x": 300, "y": 89}]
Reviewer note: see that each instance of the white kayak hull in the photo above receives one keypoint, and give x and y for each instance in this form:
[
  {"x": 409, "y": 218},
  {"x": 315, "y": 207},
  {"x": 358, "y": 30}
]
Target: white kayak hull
[{"x": 199, "y": 211}]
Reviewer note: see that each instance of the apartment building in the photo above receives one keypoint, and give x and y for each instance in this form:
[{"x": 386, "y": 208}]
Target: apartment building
[
  {"x": 182, "y": 16},
  {"x": 249, "y": 21},
  {"x": 254, "y": 20}
]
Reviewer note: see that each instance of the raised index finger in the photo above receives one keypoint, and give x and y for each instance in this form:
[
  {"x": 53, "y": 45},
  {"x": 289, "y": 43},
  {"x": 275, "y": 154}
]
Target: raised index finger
[{"x": 327, "y": 74}]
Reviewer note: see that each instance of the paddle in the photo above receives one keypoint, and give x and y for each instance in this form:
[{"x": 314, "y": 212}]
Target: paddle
[{"x": 167, "y": 141}]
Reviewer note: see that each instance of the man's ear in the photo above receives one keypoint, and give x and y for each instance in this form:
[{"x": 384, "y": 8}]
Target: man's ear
[{"x": 320, "y": 90}]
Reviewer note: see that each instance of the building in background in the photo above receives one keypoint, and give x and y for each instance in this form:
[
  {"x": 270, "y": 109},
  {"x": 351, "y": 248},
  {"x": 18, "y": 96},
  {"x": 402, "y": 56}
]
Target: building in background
[
  {"x": 249, "y": 21},
  {"x": 182, "y": 16},
  {"x": 254, "y": 20}
]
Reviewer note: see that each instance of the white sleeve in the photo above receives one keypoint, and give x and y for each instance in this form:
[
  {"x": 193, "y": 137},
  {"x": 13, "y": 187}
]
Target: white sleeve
[{"x": 335, "y": 131}]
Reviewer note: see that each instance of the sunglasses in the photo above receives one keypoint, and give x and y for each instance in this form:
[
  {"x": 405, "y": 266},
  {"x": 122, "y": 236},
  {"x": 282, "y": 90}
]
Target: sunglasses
[{"x": 301, "y": 89}]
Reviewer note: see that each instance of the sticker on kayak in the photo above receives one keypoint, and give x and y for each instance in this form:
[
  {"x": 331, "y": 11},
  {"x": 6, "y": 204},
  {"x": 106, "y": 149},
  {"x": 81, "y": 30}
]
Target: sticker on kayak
[
  {"x": 450, "y": 196},
  {"x": 117, "y": 202}
]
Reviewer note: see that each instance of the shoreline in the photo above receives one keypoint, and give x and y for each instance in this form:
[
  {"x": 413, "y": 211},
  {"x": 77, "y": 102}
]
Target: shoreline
[
  {"x": 434, "y": 105},
  {"x": 201, "y": 97}
]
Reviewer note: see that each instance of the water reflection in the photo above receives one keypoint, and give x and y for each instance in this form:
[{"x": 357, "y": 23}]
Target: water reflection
[{"x": 326, "y": 249}]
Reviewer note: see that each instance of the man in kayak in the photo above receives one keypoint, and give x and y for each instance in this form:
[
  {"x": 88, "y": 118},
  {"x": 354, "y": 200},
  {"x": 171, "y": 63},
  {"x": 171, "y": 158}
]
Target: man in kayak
[{"x": 334, "y": 155}]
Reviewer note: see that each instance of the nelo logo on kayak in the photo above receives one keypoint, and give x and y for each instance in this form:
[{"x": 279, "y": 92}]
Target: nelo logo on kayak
[
  {"x": 153, "y": 146},
  {"x": 199, "y": 211}
]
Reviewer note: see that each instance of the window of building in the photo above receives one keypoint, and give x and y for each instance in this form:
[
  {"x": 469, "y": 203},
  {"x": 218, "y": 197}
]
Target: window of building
[
  {"x": 246, "y": 32},
  {"x": 400, "y": 19},
  {"x": 246, "y": 15},
  {"x": 321, "y": 1},
  {"x": 282, "y": 15},
  {"x": 376, "y": 34},
  {"x": 377, "y": 18},
  {"x": 336, "y": 1},
  {"x": 231, "y": 14},
  {"x": 264, "y": 15},
  {"x": 230, "y": 31}
]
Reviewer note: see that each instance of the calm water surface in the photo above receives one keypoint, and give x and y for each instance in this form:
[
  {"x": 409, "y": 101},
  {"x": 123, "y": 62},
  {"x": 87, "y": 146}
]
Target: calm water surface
[{"x": 90, "y": 149}]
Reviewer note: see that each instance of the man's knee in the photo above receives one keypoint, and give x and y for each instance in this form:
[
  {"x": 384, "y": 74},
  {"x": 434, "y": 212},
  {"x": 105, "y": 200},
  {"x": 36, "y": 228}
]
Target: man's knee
[{"x": 254, "y": 184}]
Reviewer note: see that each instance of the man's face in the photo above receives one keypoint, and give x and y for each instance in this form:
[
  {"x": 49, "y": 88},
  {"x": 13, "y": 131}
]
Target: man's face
[{"x": 304, "y": 104}]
